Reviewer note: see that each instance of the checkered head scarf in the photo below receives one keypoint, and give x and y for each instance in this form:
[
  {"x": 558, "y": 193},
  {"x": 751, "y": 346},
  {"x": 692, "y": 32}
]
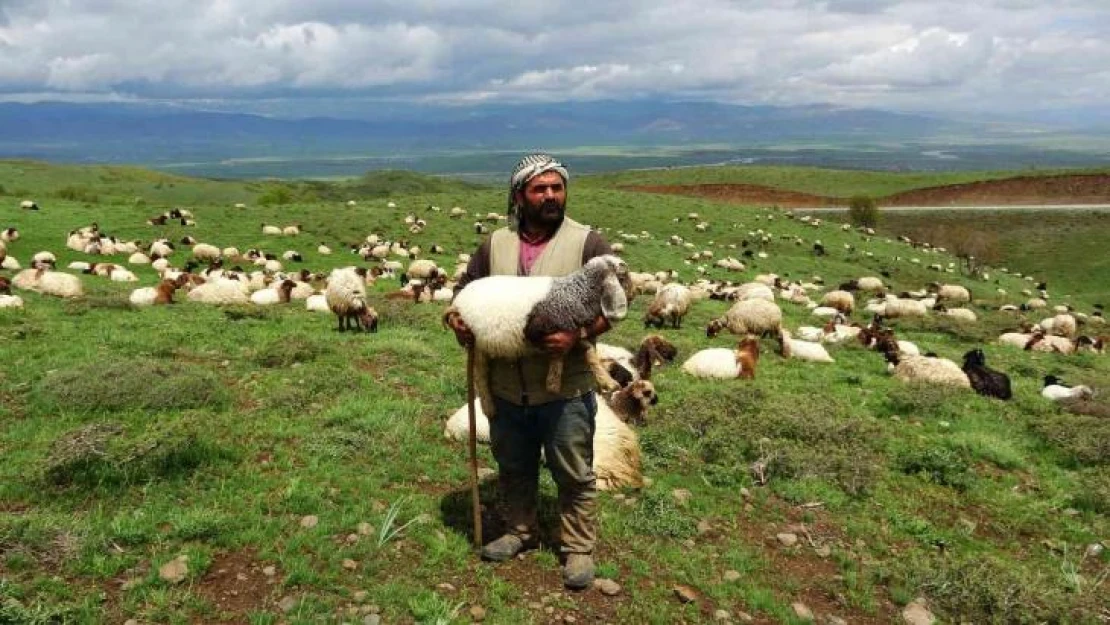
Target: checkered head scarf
[{"x": 528, "y": 168}]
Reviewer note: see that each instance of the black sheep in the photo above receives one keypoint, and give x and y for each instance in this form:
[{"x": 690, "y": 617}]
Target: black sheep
[{"x": 984, "y": 380}]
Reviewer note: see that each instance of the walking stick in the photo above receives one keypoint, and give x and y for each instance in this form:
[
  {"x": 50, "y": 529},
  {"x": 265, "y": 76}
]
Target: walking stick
[{"x": 473, "y": 443}]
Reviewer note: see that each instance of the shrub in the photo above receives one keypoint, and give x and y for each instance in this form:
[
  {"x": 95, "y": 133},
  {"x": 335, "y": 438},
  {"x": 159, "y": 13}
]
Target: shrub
[
  {"x": 863, "y": 211},
  {"x": 285, "y": 351},
  {"x": 78, "y": 194},
  {"x": 658, "y": 515},
  {"x": 275, "y": 196},
  {"x": 1081, "y": 440},
  {"x": 978, "y": 588},
  {"x": 940, "y": 465},
  {"x": 1094, "y": 491},
  {"x": 103, "y": 453},
  {"x": 130, "y": 384}
]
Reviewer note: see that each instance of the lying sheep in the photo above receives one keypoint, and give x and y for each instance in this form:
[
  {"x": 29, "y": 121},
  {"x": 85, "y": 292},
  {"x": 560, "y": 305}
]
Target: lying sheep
[
  {"x": 842, "y": 301},
  {"x": 346, "y": 297},
  {"x": 928, "y": 369},
  {"x": 801, "y": 350},
  {"x": 510, "y": 315},
  {"x": 718, "y": 362},
  {"x": 1056, "y": 390},
  {"x": 671, "y": 303},
  {"x": 157, "y": 295},
  {"x": 951, "y": 293},
  {"x": 54, "y": 283},
  {"x": 617, "y": 458},
  {"x": 984, "y": 380},
  {"x": 754, "y": 316},
  {"x": 1061, "y": 325}
]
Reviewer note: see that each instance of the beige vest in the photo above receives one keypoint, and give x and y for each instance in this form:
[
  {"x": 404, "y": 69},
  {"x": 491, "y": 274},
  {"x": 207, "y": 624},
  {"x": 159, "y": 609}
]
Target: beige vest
[{"x": 524, "y": 381}]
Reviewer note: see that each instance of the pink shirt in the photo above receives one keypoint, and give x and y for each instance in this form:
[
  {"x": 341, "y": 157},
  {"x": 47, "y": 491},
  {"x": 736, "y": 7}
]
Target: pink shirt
[{"x": 529, "y": 252}]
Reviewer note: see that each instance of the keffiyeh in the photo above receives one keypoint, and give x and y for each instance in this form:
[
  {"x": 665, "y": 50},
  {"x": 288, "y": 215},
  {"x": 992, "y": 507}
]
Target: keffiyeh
[{"x": 528, "y": 168}]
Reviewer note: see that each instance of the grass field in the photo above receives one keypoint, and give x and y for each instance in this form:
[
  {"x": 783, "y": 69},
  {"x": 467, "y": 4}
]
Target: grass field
[
  {"x": 131, "y": 438},
  {"x": 818, "y": 181}
]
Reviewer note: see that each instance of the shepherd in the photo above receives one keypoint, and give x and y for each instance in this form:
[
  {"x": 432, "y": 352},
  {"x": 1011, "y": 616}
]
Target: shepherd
[{"x": 541, "y": 240}]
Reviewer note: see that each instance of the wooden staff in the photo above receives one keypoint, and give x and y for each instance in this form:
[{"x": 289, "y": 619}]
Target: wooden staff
[{"x": 473, "y": 444}]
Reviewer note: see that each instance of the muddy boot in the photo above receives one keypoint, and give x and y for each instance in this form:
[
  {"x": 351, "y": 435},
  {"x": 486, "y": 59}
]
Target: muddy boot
[
  {"x": 503, "y": 548},
  {"x": 578, "y": 573}
]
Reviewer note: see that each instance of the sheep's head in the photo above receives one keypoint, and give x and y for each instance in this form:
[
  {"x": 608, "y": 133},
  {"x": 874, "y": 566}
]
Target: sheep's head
[
  {"x": 975, "y": 358},
  {"x": 714, "y": 328},
  {"x": 616, "y": 284},
  {"x": 640, "y": 395}
]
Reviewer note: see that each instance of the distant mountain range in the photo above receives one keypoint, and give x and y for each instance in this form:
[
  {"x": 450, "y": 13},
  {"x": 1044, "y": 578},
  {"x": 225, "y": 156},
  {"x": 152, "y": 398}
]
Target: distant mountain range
[{"x": 160, "y": 132}]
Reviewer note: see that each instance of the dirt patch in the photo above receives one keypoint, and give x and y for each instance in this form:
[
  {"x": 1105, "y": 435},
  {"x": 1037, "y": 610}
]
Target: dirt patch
[
  {"x": 235, "y": 585},
  {"x": 742, "y": 194},
  {"x": 1063, "y": 189}
]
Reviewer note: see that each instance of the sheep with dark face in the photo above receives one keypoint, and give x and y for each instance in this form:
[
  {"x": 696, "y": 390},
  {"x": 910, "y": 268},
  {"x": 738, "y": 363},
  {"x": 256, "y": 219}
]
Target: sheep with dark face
[
  {"x": 984, "y": 380},
  {"x": 510, "y": 316}
]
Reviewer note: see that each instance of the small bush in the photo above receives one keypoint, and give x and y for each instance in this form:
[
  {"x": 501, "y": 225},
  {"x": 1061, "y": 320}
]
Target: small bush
[
  {"x": 977, "y": 588},
  {"x": 863, "y": 211},
  {"x": 275, "y": 197},
  {"x": 1094, "y": 491},
  {"x": 130, "y": 384},
  {"x": 658, "y": 515},
  {"x": 947, "y": 467},
  {"x": 103, "y": 453},
  {"x": 1081, "y": 440},
  {"x": 78, "y": 194},
  {"x": 286, "y": 351}
]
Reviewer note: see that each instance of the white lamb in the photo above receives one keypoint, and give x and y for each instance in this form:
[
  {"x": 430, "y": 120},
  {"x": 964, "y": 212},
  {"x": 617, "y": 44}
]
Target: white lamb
[
  {"x": 510, "y": 315},
  {"x": 1056, "y": 390},
  {"x": 54, "y": 283},
  {"x": 929, "y": 369}
]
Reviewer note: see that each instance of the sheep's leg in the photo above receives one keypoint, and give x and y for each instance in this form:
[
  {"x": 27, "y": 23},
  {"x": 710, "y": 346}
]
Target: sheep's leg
[
  {"x": 481, "y": 382},
  {"x": 342, "y": 322},
  {"x": 601, "y": 374}
]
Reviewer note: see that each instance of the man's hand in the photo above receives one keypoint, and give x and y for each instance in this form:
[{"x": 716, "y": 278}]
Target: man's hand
[{"x": 452, "y": 319}]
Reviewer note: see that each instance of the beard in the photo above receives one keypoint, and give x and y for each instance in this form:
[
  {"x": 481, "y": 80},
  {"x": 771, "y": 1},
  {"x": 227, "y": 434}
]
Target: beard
[{"x": 547, "y": 214}]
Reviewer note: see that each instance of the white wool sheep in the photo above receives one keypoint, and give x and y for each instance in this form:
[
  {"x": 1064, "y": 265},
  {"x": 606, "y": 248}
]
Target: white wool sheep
[
  {"x": 11, "y": 263},
  {"x": 1051, "y": 344},
  {"x": 161, "y": 248},
  {"x": 801, "y": 350},
  {"x": 1036, "y": 303},
  {"x": 870, "y": 284},
  {"x": 617, "y": 456},
  {"x": 138, "y": 258},
  {"x": 206, "y": 252},
  {"x": 278, "y": 294},
  {"x": 754, "y": 290},
  {"x": 54, "y": 283},
  {"x": 753, "y": 316},
  {"x": 291, "y": 230},
  {"x": 42, "y": 259},
  {"x": 346, "y": 297},
  {"x": 1060, "y": 325},
  {"x": 932, "y": 370},
  {"x": 671, "y": 303},
  {"x": 508, "y": 314},
  {"x": 323, "y": 250},
  {"x": 1056, "y": 390},
  {"x": 824, "y": 312},
  {"x": 842, "y": 301},
  {"x": 952, "y": 293},
  {"x": 121, "y": 274},
  {"x": 10, "y": 301},
  {"x": 160, "y": 264},
  {"x": 961, "y": 314},
  {"x": 271, "y": 230},
  {"x": 895, "y": 308},
  {"x": 221, "y": 291},
  {"x": 422, "y": 269},
  {"x": 317, "y": 302},
  {"x": 721, "y": 363}
]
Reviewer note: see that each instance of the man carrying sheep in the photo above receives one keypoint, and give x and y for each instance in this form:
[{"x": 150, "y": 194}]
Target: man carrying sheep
[{"x": 541, "y": 241}]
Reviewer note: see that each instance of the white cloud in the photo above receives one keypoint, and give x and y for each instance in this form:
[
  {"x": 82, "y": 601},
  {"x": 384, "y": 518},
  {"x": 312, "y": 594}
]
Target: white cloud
[{"x": 910, "y": 54}]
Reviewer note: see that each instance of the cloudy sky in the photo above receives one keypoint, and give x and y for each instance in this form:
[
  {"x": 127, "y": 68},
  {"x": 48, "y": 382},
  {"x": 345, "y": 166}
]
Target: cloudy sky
[{"x": 916, "y": 55}]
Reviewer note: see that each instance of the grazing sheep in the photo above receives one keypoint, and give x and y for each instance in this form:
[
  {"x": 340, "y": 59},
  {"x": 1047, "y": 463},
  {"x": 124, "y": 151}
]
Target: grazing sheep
[
  {"x": 1055, "y": 389},
  {"x": 671, "y": 303},
  {"x": 896, "y": 307},
  {"x": 510, "y": 315},
  {"x": 929, "y": 369},
  {"x": 346, "y": 297},
  {"x": 754, "y": 316},
  {"x": 801, "y": 350},
  {"x": 984, "y": 380},
  {"x": 842, "y": 301},
  {"x": 719, "y": 362}
]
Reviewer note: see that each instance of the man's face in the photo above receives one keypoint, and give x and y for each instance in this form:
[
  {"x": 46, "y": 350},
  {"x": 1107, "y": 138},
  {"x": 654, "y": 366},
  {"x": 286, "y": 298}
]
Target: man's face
[{"x": 544, "y": 200}]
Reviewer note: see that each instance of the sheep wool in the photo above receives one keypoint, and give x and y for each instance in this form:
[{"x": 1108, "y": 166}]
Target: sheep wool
[
  {"x": 715, "y": 362},
  {"x": 940, "y": 371}
]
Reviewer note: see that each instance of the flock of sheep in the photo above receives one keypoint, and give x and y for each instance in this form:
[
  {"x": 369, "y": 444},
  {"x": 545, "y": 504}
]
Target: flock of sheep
[{"x": 217, "y": 275}]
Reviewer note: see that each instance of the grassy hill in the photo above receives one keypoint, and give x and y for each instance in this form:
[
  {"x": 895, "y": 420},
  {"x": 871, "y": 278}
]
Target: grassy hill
[
  {"x": 815, "y": 180},
  {"x": 131, "y": 438}
]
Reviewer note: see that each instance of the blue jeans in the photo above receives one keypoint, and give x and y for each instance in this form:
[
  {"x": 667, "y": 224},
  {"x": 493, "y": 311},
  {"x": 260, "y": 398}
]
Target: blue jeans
[{"x": 564, "y": 430}]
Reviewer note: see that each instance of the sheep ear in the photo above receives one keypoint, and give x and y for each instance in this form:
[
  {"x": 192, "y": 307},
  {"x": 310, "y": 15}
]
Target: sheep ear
[{"x": 614, "y": 303}]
